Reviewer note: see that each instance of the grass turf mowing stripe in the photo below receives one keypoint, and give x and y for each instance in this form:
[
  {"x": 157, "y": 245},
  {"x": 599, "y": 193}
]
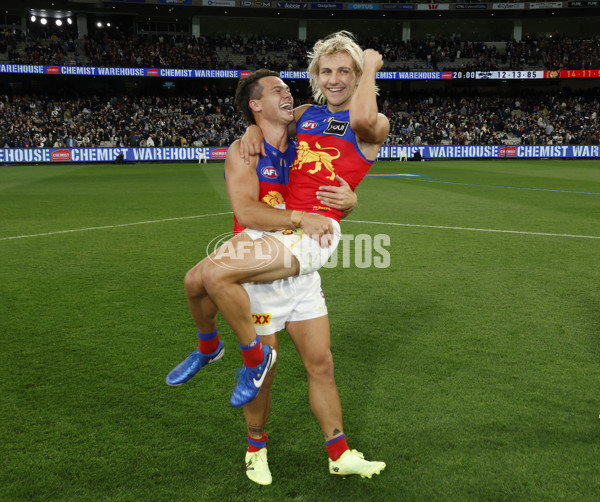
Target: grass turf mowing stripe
[{"x": 469, "y": 365}]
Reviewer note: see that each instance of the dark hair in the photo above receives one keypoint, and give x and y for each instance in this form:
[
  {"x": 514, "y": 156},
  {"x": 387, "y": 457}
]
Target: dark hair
[{"x": 249, "y": 88}]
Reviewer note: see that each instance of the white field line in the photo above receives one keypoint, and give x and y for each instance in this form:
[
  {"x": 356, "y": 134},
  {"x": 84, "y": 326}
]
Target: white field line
[
  {"x": 469, "y": 229},
  {"x": 105, "y": 227},
  {"x": 474, "y": 229}
]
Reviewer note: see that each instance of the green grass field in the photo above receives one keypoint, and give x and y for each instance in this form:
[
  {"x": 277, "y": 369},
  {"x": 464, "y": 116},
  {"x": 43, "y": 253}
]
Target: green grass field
[{"x": 470, "y": 365}]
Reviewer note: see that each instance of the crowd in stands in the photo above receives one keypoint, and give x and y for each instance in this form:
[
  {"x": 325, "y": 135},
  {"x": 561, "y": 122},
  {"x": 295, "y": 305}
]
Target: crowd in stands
[
  {"x": 43, "y": 120},
  {"x": 530, "y": 118},
  {"x": 150, "y": 51},
  {"x": 114, "y": 48},
  {"x": 48, "y": 121}
]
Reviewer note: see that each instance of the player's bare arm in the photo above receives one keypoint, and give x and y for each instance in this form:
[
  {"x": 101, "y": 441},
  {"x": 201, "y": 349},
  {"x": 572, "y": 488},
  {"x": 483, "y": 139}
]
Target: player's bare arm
[
  {"x": 370, "y": 126},
  {"x": 243, "y": 187},
  {"x": 298, "y": 111},
  {"x": 251, "y": 142}
]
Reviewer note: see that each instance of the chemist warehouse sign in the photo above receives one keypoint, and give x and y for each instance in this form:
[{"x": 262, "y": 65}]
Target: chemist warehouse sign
[
  {"x": 193, "y": 154},
  {"x": 177, "y": 154},
  {"x": 491, "y": 152}
]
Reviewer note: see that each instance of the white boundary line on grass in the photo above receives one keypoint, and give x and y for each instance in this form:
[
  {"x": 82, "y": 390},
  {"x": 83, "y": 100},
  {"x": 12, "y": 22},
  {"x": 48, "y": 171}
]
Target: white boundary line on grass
[
  {"x": 106, "y": 227},
  {"x": 474, "y": 229},
  {"x": 503, "y": 186},
  {"x": 113, "y": 226}
]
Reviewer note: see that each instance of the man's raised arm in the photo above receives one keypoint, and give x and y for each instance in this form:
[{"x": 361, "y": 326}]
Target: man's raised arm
[{"x": 370, "y": 126}]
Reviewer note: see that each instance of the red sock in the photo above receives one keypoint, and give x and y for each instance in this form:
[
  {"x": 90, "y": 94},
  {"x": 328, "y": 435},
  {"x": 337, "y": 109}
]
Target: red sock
[
  {"x": 252, "y": 353},
  {"x": 257, "y": 444},
  {"x": 336, "y": 447},
  {"x": 208, "y": 343}
]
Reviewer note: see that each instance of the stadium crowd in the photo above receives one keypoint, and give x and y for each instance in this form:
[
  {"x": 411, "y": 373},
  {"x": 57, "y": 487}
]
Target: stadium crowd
[
  {"x": 529, "y": 118},
  {"x": 43, "y": 120},
  {"x": 150, "y": 51},
  {"x": 114, "y": 48}
]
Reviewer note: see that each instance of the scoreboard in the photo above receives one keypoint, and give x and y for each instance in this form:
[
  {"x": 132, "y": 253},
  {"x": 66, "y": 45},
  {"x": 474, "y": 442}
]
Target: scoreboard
[{"x": 524, "y": 74}]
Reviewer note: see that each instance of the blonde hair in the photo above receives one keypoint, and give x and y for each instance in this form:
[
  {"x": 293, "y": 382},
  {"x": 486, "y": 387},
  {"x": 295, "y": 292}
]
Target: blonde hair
[{"x": 341, "y": 41}]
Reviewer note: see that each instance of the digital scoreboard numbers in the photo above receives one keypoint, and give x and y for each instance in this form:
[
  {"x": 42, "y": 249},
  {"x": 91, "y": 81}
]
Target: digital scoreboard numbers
[
  {"x": 573, "y": 74},
  {"x": 499, "y": 75}
]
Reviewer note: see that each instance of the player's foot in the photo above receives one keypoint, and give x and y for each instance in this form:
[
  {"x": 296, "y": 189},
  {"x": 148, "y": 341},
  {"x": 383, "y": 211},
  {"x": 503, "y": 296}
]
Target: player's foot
[
  {"x": 353, "y": 462},
  {"x": 250, "y": 380},
  {"x": 257, "y": 467},
  {"x": 192, "y": 364}
]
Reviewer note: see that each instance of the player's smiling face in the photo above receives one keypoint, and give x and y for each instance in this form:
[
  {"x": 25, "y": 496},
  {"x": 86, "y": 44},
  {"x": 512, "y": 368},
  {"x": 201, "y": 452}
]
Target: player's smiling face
[
  {"x": 337, "y": 79},
  {"x": 276, "y": 99}
]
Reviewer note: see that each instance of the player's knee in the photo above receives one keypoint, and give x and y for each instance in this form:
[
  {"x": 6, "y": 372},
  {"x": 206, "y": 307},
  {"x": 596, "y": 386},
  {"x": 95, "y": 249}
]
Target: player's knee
[
  {"x": 211, "y": 277},
  {"x": 194, "y": 285},
  {"x": 215, "y": 276},
  {"x": 321, "y": 367}
]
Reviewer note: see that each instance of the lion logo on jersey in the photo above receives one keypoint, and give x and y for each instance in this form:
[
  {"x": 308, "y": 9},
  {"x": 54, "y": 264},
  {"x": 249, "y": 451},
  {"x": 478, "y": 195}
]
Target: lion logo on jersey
[
  {"x": 273, "y": 198},
  {"x": 321, "y": 158}
]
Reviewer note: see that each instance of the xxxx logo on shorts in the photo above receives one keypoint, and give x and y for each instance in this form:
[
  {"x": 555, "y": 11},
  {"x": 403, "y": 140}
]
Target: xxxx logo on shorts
[{"x": 261, "y": 319}]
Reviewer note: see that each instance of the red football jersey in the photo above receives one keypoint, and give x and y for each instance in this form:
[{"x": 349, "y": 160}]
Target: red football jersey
[{"x": 326, "y": 147}]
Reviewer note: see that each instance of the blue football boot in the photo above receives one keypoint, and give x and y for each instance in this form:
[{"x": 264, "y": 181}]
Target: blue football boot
[
  {"x": 250, "y": 380},
  {"x": 192, "y": 364}
]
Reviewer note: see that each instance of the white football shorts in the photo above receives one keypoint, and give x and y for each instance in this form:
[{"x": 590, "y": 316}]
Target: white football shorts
[
  {"x": 296, "y": 298},
  {"x": 311, "y": 255}
]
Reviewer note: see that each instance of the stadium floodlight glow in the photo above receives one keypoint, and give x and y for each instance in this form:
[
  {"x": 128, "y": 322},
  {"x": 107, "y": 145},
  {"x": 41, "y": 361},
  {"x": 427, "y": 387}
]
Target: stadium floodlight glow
[
  {"x": 58, "y": 22},
  {"x": 108, "y": 24},
  {"x": 33, "y": 18},
  {"x": 99, "y": 24},
  {"x": 69, "y": 20},
  {"x": 43, "y": 21}
]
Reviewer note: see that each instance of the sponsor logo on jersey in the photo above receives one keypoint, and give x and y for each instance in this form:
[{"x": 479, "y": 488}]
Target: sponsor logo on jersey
[
  {"x": 308, "y": 125},
  {"x": 269, "y": 172},
  {"x": 337, "y": 128},
  {"x": 261, "y": 319}
]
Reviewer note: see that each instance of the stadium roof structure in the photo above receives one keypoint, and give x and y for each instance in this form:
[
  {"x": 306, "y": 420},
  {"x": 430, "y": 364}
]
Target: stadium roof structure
[{"x": 318, "y": 10}]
